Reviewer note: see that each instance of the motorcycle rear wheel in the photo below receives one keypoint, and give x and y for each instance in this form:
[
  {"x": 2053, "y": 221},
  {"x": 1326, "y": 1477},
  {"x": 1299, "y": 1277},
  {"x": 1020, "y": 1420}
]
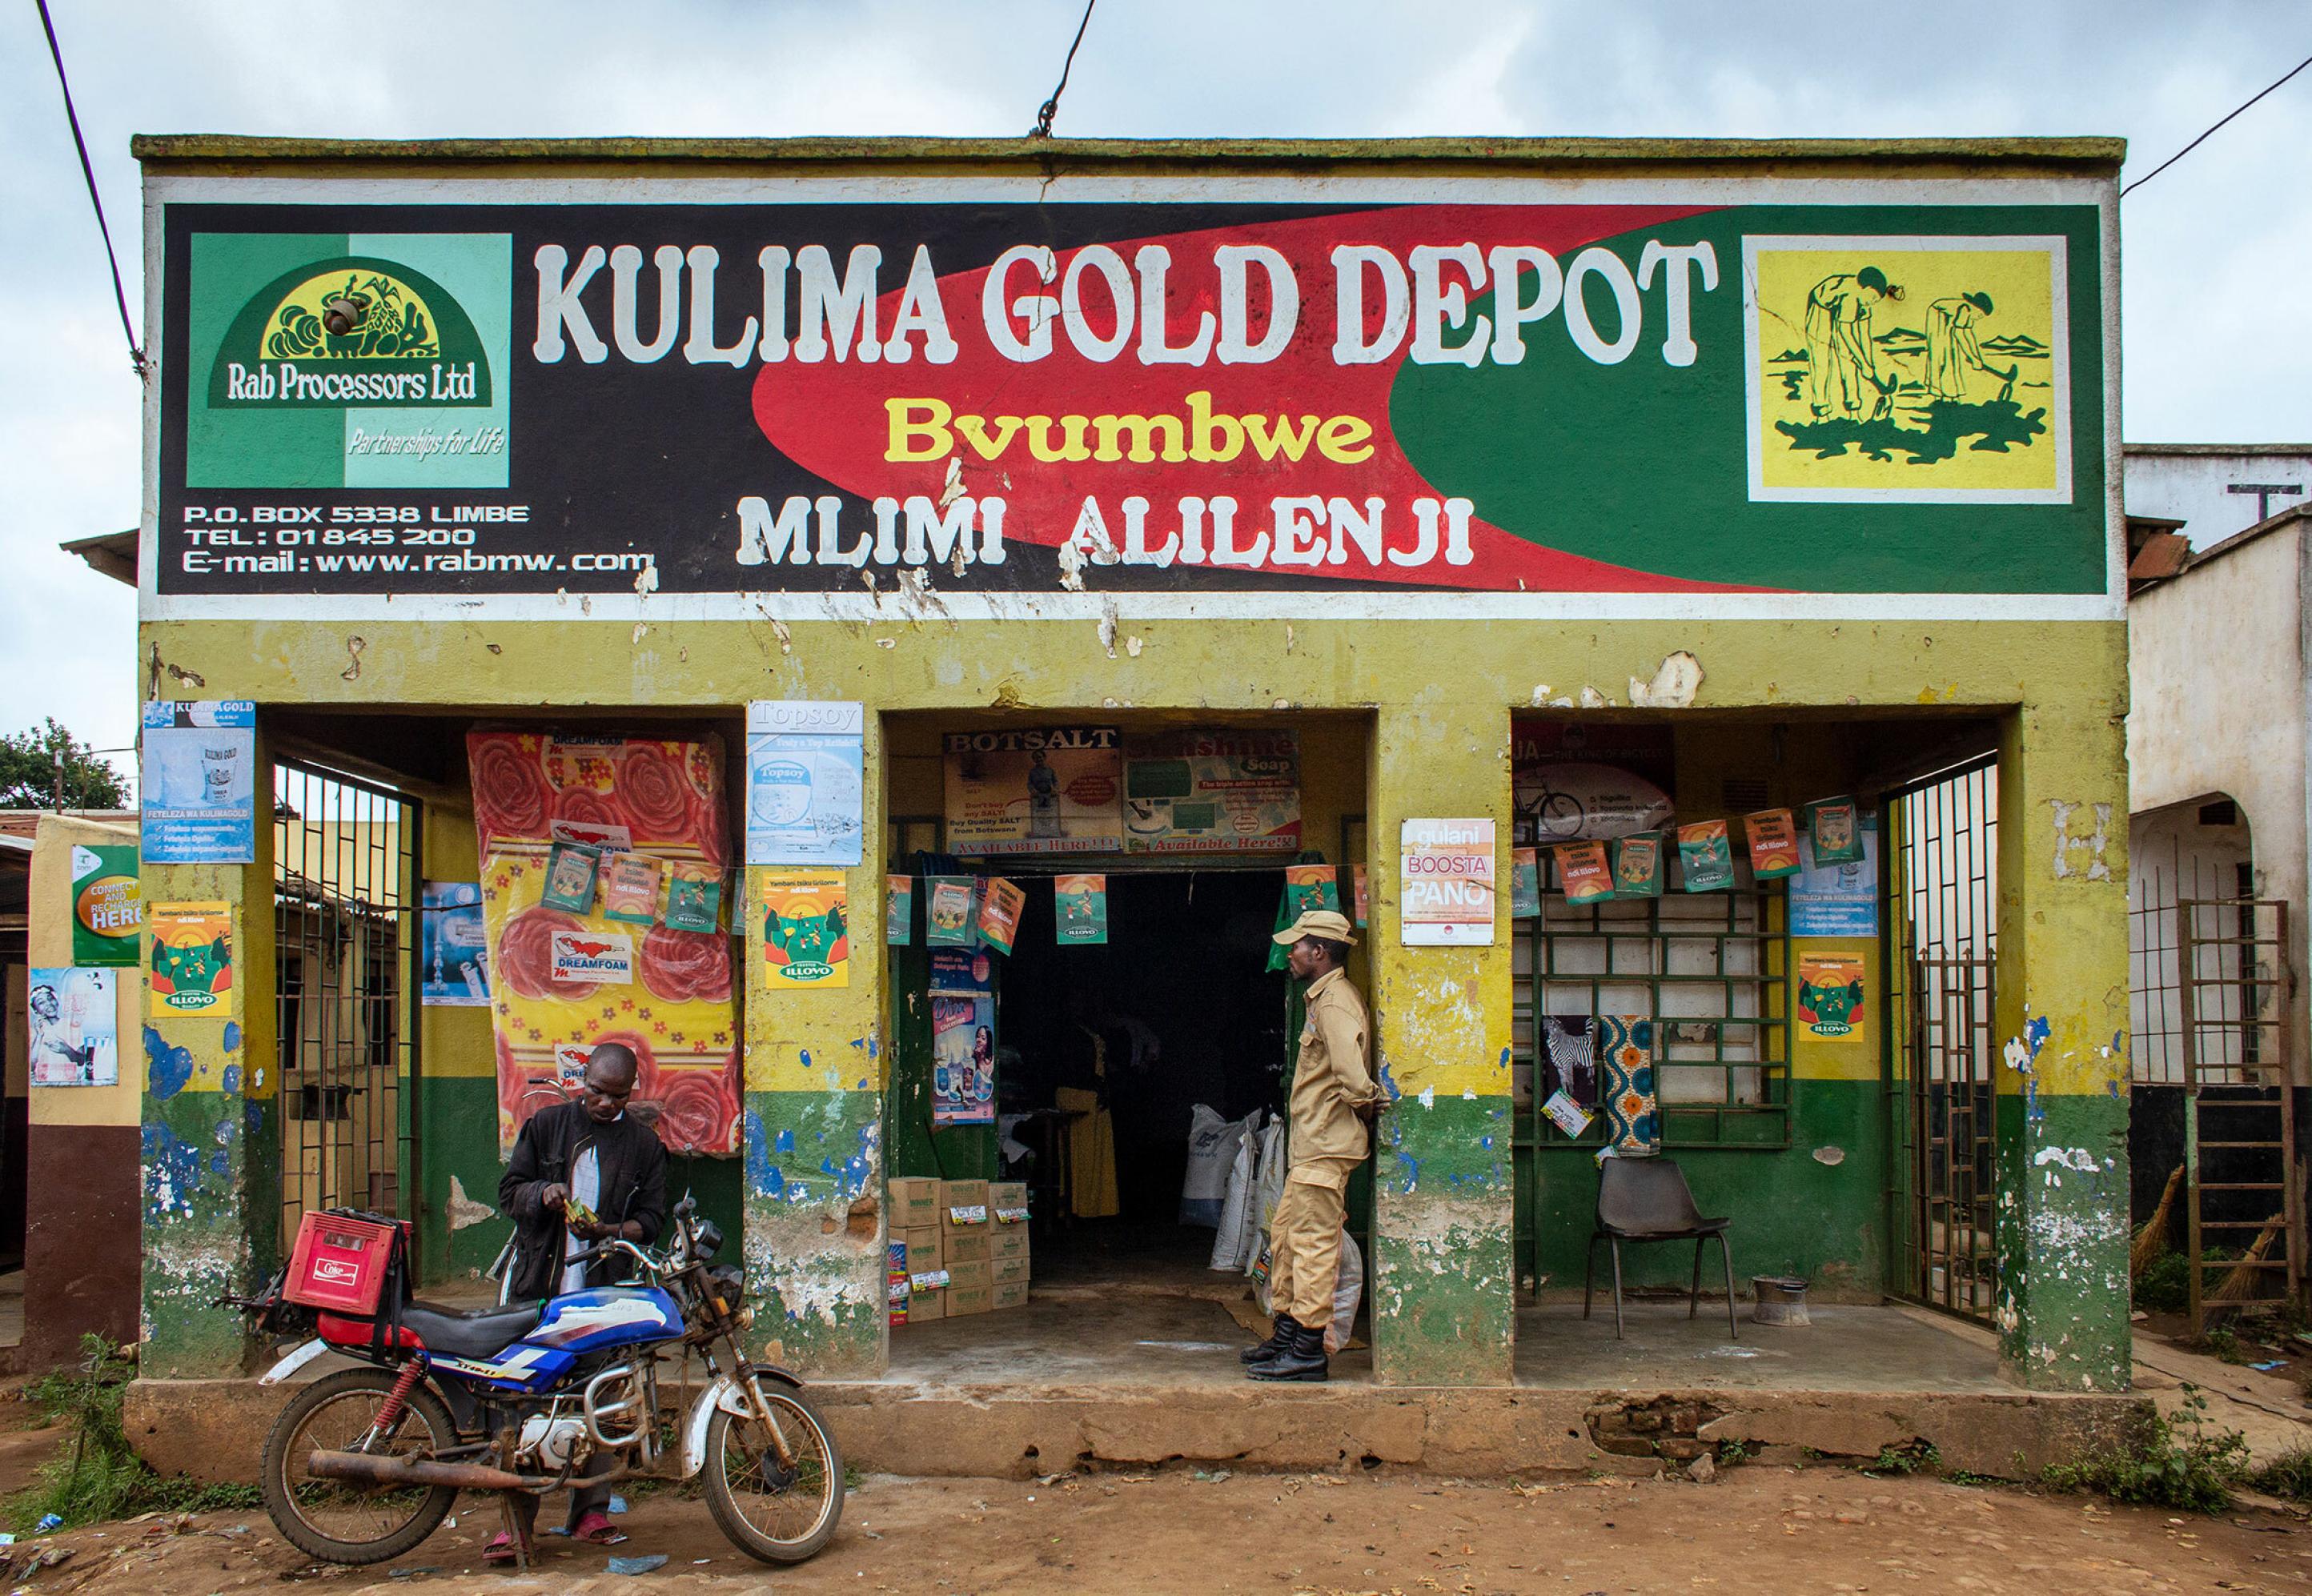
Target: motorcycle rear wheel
[
  {"x": 774, "y": 1515},
  {"x": 337, "y": 1520}
]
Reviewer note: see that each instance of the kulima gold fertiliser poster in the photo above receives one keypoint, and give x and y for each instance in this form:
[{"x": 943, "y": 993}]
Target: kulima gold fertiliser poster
[{"x": 1527, "y": 394}]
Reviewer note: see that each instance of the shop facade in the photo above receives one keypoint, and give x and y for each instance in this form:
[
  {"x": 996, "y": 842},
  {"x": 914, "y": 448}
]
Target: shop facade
[{"x": 1456, "y": 466}]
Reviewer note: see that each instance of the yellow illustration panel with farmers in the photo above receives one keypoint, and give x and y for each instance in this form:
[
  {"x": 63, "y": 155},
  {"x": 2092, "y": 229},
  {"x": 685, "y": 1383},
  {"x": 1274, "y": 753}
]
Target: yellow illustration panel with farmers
[{"x": 1901, "y": 369}]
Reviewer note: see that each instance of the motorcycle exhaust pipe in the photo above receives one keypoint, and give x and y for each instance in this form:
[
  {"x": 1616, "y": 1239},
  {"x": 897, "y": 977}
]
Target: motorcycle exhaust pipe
[{"x": 366, "y": 1468}]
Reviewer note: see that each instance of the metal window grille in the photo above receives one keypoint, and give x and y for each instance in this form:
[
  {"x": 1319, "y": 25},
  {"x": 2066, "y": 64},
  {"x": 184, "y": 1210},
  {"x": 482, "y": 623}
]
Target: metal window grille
[
  {"x": 2164, "y": 873},
  {"x": 1710, "y": 968},
  {"x": 346, "y": 892},
  {"x": 1942, "y": 937}
]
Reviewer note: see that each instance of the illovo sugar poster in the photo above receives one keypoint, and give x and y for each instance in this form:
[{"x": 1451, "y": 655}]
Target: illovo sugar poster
[
  {"x": 192, "y": 960},
  {"x": 1221, "y": 791},
  {"x": 1035, "y": 789},
  {"x": 199, "y": 786},
  {"x": 1080, "y": 910},
  {"x": 806, "y": 929},
  {"x": 74, "y": 1024},
  {"x": 454, "y": 964}
]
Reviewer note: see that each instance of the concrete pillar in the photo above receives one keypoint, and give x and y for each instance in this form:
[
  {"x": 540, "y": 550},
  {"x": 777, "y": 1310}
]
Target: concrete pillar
[
  {"x": 1444, "y": 1290},
  {"x": 2062, "y": 1077},
  {"x": 813, "y": 1137},
  {"x": 211, "y": 1133}
]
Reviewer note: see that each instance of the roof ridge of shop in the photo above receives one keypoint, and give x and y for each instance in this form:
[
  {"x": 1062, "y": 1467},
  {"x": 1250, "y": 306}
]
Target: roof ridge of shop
[{"x": 2095, "y": 154}]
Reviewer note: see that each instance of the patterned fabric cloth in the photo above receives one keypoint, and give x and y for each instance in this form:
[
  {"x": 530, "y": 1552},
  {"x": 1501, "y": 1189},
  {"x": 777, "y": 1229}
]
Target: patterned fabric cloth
[{"x": 1625, "y": 1058}]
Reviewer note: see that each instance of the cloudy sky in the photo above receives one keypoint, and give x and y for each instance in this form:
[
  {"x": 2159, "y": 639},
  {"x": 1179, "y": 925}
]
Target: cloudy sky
[{"x": 2214, "y": 252}]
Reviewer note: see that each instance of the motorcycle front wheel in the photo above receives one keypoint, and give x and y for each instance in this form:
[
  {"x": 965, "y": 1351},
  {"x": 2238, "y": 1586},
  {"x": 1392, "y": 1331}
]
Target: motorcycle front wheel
[
  {"x": 338, "y": 1521},
  {"x": 774, "y": 1513}
]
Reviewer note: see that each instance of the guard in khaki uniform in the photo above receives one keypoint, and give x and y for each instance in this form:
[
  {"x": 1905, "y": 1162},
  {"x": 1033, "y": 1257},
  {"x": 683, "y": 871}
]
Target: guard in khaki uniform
[{"x": 1333, "y": 1097}]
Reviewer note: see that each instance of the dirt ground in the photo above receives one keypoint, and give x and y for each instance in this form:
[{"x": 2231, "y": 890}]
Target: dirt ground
[{"x": 1755, "y": 1528}]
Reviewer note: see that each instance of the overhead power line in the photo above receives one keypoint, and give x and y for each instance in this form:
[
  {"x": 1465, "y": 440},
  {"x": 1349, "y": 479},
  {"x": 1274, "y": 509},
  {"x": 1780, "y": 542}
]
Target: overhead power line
[
  {"x": 2203, "y": 138},
  {"x": 88, "y": 175},
  {"x": 1043, "y": 127}
]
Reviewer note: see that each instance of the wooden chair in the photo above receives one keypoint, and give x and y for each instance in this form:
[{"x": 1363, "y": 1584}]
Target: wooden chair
[{"x": 1647, "y": 1200}]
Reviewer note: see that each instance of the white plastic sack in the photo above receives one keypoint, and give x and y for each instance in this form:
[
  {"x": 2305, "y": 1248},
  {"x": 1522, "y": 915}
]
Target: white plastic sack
[
  {"x": 1348, "y": 1286},
  {"x": 1229, "y": 1239},
  {"x": 1213, "y": 1142},
  {"x": 1267, "y": 1188}
]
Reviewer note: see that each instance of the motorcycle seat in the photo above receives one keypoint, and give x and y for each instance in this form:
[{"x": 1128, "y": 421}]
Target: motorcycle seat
[{"x": 484, "y": 1333}]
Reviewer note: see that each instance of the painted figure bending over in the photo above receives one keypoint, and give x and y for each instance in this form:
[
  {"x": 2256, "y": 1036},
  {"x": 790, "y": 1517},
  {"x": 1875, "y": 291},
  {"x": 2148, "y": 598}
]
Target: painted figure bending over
[
  {"x": 1842, "y": 376},
  {"x": 1333, "y": 1098}
]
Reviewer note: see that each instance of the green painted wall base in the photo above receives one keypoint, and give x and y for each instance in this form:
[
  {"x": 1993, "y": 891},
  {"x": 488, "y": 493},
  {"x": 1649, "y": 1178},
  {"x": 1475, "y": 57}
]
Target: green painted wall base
[{"x": 2062, "y": 1234}]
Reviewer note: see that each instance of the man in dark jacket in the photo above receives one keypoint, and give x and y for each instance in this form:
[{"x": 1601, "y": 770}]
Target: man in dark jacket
[{"x": 587, "y": 1156}]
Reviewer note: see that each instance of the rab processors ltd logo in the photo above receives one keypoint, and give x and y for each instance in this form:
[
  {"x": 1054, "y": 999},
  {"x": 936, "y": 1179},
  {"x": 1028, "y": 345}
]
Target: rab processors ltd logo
[{"x": 368, "y": 361}]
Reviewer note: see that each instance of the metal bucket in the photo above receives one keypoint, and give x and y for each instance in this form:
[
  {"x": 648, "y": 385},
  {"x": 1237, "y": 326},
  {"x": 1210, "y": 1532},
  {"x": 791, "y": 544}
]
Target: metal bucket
[{"x": 1782, "y": 1299}]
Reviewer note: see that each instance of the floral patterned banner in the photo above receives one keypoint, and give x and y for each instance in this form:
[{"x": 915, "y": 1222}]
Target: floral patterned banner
[{"x": 674, "y": 1008}]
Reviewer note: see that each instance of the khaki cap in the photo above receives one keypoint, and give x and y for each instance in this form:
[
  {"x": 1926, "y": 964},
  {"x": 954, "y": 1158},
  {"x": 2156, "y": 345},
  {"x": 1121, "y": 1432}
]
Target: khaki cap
[{"x": 1329, "y": 924}]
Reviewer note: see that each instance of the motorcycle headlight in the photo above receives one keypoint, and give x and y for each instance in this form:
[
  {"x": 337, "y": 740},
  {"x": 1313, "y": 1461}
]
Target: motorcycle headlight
[{"x": 727, "y": 1283}]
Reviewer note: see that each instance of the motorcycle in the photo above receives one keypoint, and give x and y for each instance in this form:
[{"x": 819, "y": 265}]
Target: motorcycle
[{"x": 364, "y": 1464}]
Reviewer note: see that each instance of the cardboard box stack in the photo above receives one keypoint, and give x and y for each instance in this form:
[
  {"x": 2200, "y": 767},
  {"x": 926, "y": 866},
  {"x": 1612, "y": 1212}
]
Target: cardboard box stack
[
  {"x": 1007, "y": 1242},
  {"x": 957, "y": 1247},
  {"x": 964, "y": 1237},
  {"x": 916, "y": 1233}
]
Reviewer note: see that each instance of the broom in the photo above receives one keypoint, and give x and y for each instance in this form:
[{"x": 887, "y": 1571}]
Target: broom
[
  {"x": 2151, "y": 1240},
  {"x": 2244, "y": 1281}
]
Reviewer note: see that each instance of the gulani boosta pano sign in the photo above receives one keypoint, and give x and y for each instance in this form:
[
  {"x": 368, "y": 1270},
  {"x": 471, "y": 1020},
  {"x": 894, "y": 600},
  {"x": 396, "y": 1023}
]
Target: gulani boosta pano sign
[{"x": 981, "y": 398}]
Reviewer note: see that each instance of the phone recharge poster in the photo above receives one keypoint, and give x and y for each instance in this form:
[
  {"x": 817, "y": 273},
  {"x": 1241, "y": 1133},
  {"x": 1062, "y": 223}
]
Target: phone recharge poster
[{"x": 963, "y": 1037}]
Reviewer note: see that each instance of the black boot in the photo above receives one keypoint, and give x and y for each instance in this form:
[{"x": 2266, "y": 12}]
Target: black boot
[
  {"x": 1303, "y": 1359},
  {"x": 1280, "y": 1338}
]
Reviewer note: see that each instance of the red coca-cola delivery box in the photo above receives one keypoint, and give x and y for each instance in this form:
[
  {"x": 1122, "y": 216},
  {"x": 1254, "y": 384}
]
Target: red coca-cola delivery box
[{"x": 342, "y": 1262}]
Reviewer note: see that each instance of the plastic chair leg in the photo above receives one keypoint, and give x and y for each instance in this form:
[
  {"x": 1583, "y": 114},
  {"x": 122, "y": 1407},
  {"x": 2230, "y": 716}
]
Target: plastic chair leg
[
  {"x": 1694, "y": 1293},
  {"x": 1613, "y": 1242},
  {"x": 1725, "y": 1256}
]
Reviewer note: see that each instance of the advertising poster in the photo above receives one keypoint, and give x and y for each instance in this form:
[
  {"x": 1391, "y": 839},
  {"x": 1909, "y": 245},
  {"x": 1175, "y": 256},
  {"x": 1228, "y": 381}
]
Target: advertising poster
[
  {"x": 1840, "y": 898},
  {"x": 693, "y": 899},
  {"x": 74, "y": 1023},
  {"x": 952, "y": 911},
  {"x": 806, "y": 782},
  {"x": 1833, "y": 837},
  {"x": 106, "y": 912},
  {"x": 1774, "y": 844},
  {"x": 192, "y": 960},
  {"x": 960, "y": 973},
  {"x": 1080, "y": 910},
  {"x": 1446, "y": 872},
  {"x": 1042, "y": 790},
  {"x": 1309, "y": 886},
  {"x": 806, "y": 930},
  {"x": 1525, "y": 883},
  {"x": 963, "y": 1060},
  {"x": 1705, "y": 858},
  {"x": 1584, "y": 872},
  {"x": 999, "y": 906},
  {"x": 1831, "y": 991},
  {"x": 1569, "y": 802},
  {"x": 570, "y": 871},
  {"x": 630, "y": 883},
  {"x": 1213, "y": 792},
  {"x": 899, "y": 909},
  {"x": 1638, "y": 866},
  {"x": 589, "y": 958},
  {"x": 1362, "y": 891},
  {"x": 453, "y": 955},
  {"x": 198, "y": 783}
]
